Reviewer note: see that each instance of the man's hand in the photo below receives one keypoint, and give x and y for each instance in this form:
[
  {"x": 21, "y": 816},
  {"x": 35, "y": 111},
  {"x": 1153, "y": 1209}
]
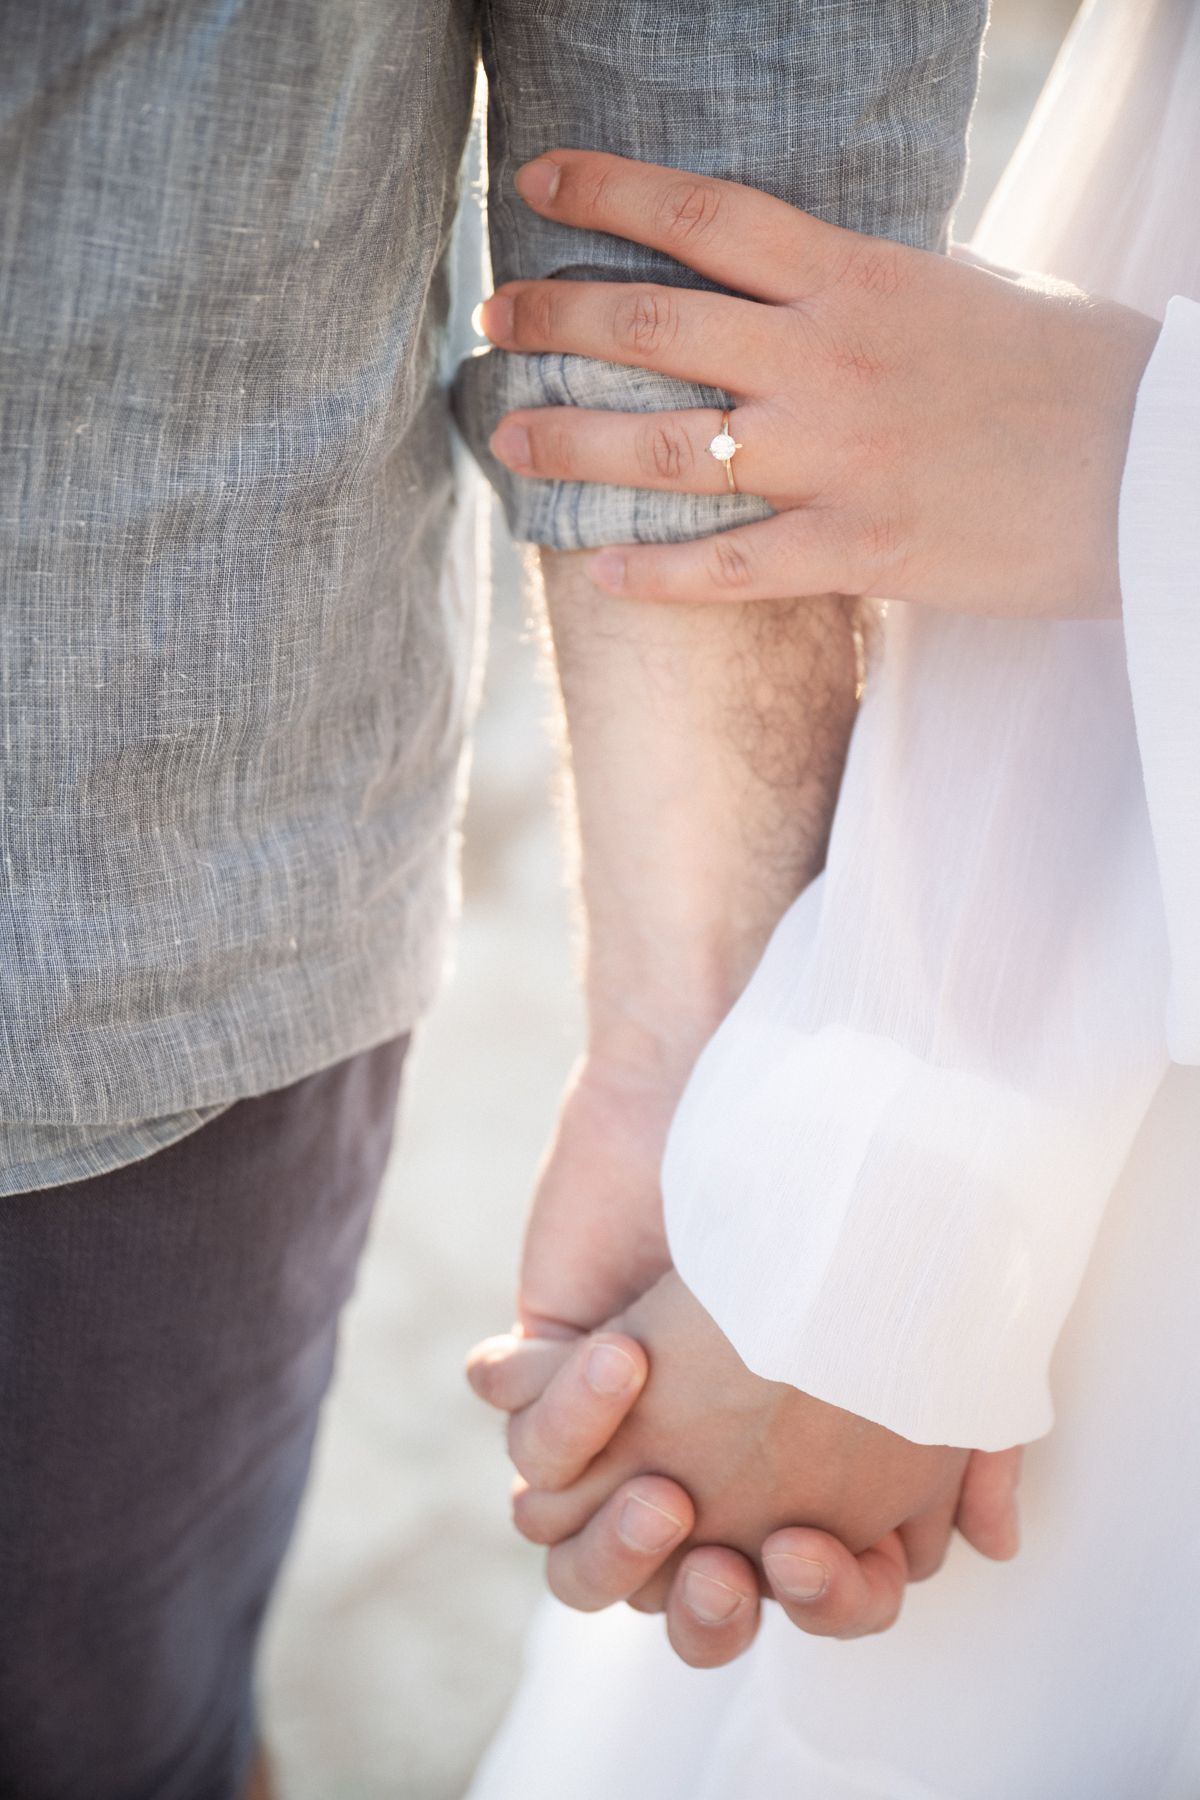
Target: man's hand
[{"x": 595, "y": 1237}]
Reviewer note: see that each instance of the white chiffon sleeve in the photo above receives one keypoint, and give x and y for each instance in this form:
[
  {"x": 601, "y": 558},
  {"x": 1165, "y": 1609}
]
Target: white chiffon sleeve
[
  {"x": 1160, "y": 586},
  {"x": 886, "y": 1174}
]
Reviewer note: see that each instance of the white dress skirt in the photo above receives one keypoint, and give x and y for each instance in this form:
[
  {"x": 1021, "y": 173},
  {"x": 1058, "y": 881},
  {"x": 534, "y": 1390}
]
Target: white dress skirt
[{"x": 1072, "y": 1673}]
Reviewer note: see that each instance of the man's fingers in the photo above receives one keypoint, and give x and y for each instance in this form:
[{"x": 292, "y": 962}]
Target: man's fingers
[
  {"x": 510, "y": 1372},
  {"x": 618, "y": 1551},
  {"x": 736, "y": 235},
  {"x": 800, "y": 552},
  {"x": 826, "y": 1591},
  {"x": 732, "y": 344},
  {"x": 552, "y": 1441},
  {"x": 713, "y": 1609},
  {"x": 987, "y": 1505}
]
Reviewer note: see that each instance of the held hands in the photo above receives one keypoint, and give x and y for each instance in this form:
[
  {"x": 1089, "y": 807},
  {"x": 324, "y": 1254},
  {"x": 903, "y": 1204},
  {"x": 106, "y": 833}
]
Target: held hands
[
  {"x": 926, "y": 428},
  {"x": 660, "y": 1470},
  {"x": 735, "y": 1459}
]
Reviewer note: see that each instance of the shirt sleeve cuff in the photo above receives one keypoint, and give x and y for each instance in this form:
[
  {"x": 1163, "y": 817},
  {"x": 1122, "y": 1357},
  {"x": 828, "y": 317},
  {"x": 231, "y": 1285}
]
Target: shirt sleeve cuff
[
  {"x": 575, "y": 515},
  {"x": 1160, "y": 585}
]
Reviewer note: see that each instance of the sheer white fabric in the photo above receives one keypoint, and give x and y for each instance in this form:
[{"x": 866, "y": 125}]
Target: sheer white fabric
[
  {"x": 886, "y": 1176},
  {"x": 1160, "y": 557}
]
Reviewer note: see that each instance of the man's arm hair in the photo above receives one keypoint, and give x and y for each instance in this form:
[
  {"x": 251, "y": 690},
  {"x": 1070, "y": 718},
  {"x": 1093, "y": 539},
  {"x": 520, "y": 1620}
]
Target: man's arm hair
[{"x": 706, "y": 747}]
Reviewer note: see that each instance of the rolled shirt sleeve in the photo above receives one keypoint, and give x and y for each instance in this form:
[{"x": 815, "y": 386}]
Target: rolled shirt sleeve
[
  {"x": 887, "y": 1173},
  {"x": 855, "y": 110},
  {"x": 1160, "y": 586}
]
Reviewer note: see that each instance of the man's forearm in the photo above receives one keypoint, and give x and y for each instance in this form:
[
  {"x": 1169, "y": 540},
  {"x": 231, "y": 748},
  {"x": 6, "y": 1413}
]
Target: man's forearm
[{"x": 706, "y": 746}]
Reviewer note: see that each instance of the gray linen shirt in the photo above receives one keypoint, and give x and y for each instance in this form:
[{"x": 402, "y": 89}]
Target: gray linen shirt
[{"x": 235, "y": 629}]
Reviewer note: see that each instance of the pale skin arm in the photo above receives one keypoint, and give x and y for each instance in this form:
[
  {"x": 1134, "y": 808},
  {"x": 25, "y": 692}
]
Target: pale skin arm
[
  {"x": 706, "y": 749},
  {"x": 705, "y": 756}
]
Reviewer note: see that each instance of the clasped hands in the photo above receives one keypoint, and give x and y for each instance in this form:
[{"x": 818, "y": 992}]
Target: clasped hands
[{"x": 655, "y": 1466}]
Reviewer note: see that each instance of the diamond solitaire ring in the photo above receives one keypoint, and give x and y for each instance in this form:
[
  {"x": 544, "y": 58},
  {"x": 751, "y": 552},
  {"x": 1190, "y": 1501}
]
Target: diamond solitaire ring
[{"x": 724, "y": 447}]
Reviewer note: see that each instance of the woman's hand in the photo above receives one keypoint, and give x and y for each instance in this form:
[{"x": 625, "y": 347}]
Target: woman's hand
[
  {"x": 926, "y": 428},
  {"x": 752, "y": 1454}
]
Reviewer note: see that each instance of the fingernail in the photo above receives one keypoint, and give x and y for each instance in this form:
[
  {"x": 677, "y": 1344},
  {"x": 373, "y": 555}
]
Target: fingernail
[
  {"x": 608, "y": 570},
  {"x": 511, "y": 444},
  {"x": 496, "y": 317},
  {"x": 644, "y": 1528},
  {"x": 609, "y": 1370},
  {"x": 710, "y": 1600},
  {"x": 797, "y": 1577},
  {"x": 538, "y": 181}
]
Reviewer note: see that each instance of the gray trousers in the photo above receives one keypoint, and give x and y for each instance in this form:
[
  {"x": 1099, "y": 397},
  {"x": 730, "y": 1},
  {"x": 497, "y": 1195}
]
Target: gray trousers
[{"x": 167, "y": 1332}]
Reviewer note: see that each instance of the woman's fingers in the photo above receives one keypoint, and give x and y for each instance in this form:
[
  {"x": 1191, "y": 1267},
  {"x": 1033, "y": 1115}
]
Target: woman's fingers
[
  {"x": 736, "y": 235},
  {"x": 713, "y": 1609},
  {"x": 547, "y": 1516},
  {"x": 620, "y": 1548},
  {"x": 826, "y": 1591},
  {"x": 666, "y": 450},
  {"x": 511, "y": 1372},
  {"x": 799, "y": 553},
  {"x": 733, "y": 344},
  {"x": 552, "y": 1441},
  {"x": 987, "y": 1505}
]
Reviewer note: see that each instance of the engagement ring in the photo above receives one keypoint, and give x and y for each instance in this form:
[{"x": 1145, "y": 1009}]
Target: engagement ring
[{"x": 723, "y": 447}]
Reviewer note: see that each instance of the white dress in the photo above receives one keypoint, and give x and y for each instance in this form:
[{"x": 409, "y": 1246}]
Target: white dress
[{"x": 938, "y": 1166}]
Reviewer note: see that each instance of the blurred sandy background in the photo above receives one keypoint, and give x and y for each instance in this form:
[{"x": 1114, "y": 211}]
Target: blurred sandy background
[{"x": 396, "y": 1640}]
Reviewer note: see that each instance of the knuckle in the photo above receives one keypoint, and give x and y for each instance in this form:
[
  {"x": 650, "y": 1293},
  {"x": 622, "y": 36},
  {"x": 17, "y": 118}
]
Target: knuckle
[
  {"x": 688, "y": 211},
  {"x": 591, "y": 188},
  {"x": 729, "y": 565},
  {"x": 854, "y": 358},
  {"x": 536, "y": 314},
  {"x": 552, "y": 450},
  {"x": 664, "y": 452},
  {"x": 647, "y": 320},
  {"x": 876, "y": 267}
]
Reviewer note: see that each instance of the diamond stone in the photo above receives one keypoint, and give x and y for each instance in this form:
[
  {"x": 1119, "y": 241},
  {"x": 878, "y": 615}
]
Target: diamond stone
[{"x": 722, "y": 446}]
